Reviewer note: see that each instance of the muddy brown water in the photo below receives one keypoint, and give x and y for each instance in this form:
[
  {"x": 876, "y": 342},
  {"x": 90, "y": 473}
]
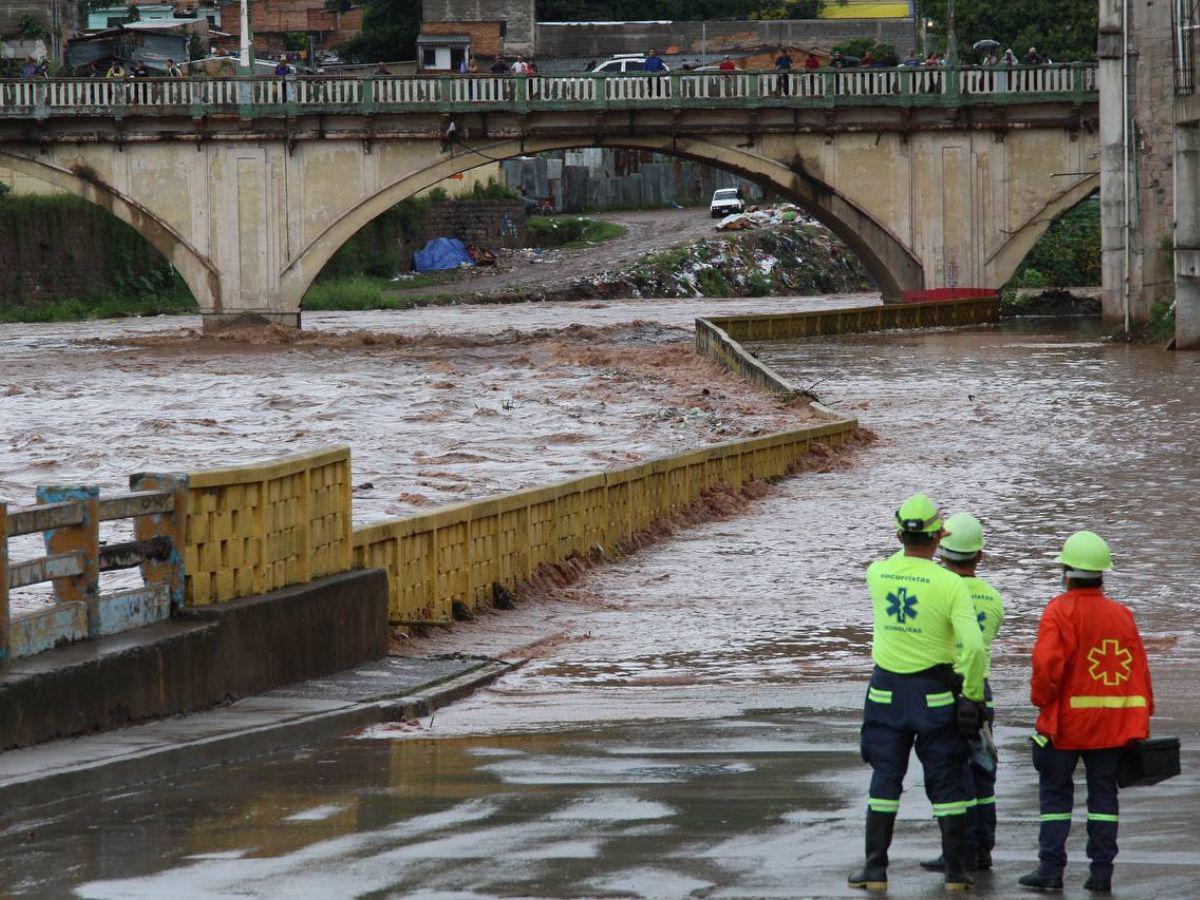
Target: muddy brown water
[{"x": 694, "y": 730}]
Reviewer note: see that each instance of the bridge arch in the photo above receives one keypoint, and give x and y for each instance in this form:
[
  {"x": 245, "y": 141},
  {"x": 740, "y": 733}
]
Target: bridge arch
[
  {"x": 892, "y": 265},
  {"x": 197, "y": 271},
  {"x": 1003, "y": 264}
]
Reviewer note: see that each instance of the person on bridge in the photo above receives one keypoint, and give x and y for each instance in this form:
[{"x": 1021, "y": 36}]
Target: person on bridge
[
  {"x": 654, "y": 63},
  {"x": 925, "y": 635},
  {"x": 961, "y": 550},
  {"x": 1091, "y": 685}
]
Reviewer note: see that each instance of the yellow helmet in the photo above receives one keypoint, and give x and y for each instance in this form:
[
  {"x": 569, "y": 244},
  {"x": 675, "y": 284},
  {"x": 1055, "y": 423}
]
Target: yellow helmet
[
  {"x": 1086, "y": 552},
  {"x": 964, "y": 538},
  {"x": 918, "y": 515}
]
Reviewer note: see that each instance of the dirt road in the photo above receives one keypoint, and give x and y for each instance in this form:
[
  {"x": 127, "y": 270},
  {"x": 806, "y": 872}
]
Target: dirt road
[{"x": 647, "y": 232}]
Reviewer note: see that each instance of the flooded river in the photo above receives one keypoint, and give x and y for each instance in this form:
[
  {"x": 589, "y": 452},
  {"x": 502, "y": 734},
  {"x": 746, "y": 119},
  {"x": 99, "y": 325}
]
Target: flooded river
[{"x": 689, "y": 726}]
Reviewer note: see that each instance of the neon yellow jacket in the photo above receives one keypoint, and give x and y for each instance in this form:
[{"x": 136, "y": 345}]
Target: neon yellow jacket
[
  {"x": 989, "y": 610},
  {"x": 924, "y": 617}
]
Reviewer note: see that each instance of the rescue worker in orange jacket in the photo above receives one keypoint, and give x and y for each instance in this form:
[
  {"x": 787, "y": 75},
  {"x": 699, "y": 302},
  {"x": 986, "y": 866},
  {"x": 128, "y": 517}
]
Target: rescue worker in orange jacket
[{"x": 1091, "y": 685}]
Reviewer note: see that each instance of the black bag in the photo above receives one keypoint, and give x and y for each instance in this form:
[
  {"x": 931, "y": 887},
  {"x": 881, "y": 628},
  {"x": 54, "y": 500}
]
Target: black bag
[{"x": 1149, "y": 762}]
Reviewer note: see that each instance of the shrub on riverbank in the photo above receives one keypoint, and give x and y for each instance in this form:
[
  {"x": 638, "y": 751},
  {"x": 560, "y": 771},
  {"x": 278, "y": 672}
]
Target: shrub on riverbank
[{"x": 569, "y": 232}]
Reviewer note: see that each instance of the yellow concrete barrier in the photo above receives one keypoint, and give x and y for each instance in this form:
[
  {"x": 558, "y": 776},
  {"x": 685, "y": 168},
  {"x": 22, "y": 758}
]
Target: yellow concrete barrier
[
  {"x": 719, "y": 337},
  {"x": 459, "y": 552},
  {"x": 252, "y": 529}
]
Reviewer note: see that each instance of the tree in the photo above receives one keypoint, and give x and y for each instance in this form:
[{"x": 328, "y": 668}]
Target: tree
[
  {"x": 389, "y": 31},
  {"x": 1063, "y": 29}
]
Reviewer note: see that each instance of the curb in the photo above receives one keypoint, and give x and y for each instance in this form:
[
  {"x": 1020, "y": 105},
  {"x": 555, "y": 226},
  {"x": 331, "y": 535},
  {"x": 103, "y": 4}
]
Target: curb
[{"x": 163, "y": 762}]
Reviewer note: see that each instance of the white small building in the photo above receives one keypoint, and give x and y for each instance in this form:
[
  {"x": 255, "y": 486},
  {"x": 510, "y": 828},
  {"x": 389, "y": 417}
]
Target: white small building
[{"x": 442, "y": 52}]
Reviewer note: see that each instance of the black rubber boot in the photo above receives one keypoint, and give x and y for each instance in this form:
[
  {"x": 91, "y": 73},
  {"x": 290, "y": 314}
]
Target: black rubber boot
[
  {"x": 954, "y": 841},
  {"x": 976, "y": 858},
  {"x": 873, "y": 876},
  {"x": 1043, "y": 878},
  {"x": 1099, "y": 880}
]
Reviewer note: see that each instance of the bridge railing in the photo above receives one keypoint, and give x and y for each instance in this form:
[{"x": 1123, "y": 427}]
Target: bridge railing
[
  {"x": 83, "y": 96},
  {"x": 69, "y": 518}
]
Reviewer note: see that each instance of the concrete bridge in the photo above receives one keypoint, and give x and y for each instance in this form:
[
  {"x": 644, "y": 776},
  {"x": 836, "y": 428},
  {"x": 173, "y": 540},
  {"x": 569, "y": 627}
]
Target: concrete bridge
[{"x": 934, "y": 177}]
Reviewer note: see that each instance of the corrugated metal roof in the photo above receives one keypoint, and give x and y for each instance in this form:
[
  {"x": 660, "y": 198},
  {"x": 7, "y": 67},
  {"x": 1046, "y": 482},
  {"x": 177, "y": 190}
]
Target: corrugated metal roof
[{"x": 445, "y": 40}]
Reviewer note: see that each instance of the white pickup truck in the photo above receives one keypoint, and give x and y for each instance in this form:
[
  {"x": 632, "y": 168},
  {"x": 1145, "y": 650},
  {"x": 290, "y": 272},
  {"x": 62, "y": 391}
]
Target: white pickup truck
[{"x": 726, "y": 202}]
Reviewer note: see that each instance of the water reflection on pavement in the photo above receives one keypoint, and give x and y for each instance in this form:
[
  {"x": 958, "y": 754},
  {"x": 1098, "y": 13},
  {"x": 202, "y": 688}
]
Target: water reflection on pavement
[{"x": 697, "y": 733}]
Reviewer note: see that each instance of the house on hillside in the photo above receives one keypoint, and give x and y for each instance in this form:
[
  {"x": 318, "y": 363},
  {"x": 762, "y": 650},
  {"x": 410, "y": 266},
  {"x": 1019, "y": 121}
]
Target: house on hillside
[
  {"x": 110, "y": 16},
  {"x": 274, "y": 23},
  {"x": 37, "y": 28},
  {"x": 454, "y": 30}
]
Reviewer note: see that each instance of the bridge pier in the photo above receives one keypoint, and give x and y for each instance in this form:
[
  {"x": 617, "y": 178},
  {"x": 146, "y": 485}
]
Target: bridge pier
[{"x": 223, "y": 321}]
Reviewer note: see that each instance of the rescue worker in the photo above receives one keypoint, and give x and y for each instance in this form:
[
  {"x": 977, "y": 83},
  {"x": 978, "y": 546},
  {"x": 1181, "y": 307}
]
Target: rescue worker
[
  {"x": 960, "y": 551},
  {"x": 1091, "y": 685},
  {"x": 922, "y": 613}
]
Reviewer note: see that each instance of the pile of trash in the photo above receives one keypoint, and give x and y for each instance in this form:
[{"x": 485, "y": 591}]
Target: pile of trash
[
  {"x": 794, "y": 258},
  {"x": 765, "y": 217}
]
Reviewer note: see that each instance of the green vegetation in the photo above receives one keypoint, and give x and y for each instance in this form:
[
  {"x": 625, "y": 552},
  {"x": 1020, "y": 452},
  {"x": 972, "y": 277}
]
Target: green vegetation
[
  {"x": 1068, "y": 254},
  {"x": 1064, "y": 29},
  {"x": 133, "y": 278},
  {"x": 361, "y": 292},
  {"x": 389, "y": 31},
  {"x": 101, "y": 306},
  {"x": 861, "y": 46},
  {"x": 571, "y": 231},
  {"x": 1161, "y": 325}
]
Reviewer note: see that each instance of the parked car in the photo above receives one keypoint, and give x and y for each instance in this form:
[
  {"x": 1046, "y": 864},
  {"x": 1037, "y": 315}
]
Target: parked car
[
  {"x": 625, "y": 62},
  {"x": 726, "y": 202}
]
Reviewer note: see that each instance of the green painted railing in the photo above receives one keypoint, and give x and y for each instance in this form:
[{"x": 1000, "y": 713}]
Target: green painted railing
[{"x": 942, "y": 86}]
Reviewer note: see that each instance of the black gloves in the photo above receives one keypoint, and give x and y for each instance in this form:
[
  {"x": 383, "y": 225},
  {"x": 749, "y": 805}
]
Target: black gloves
[{"x": 969, "y": 716}]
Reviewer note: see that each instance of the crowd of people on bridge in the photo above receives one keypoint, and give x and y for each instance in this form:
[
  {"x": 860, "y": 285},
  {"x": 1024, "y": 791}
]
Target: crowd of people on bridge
[{"x": 652, "y": 63}]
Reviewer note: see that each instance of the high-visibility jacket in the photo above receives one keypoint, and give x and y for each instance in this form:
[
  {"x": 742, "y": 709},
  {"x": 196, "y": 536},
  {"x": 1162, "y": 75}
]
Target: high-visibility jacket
[
  {"x": 1091, "y": 680},
  {"x": 924, "y": 617},
  {"x": 989, "y": 610}
]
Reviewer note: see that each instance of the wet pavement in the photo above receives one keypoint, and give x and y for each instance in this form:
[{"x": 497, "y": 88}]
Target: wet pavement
[{"x": 695, "y": 731}]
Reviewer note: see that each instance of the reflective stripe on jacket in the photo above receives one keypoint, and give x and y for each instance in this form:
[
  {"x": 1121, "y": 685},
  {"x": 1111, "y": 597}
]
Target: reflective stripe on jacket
[{"x": 1091, "y": 680}]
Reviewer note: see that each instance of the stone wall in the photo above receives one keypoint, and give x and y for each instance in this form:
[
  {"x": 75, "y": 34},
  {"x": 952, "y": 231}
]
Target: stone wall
[
  {"x": 517, "y": 16},
  {"x": 487, "y": 223},
  {"x": 601, "y": 40}
]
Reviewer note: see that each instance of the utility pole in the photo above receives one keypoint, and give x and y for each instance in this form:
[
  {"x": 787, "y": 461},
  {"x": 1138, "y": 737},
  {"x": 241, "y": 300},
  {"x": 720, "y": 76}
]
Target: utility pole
[
  {"x": 244, "y": 59},
  {"x": 951, "y": 38}
]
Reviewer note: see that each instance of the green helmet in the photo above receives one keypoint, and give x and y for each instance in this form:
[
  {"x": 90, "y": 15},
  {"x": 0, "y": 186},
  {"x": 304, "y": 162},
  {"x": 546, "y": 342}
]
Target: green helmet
[
  {"x": 1086, "y": 551},
  {"x": 963, "y": 539},
  {"x": 918, "y": 515}
]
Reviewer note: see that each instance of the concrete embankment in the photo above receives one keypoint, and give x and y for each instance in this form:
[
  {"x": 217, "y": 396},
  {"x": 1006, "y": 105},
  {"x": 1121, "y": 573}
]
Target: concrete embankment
[{"x": 203, "y": 657}]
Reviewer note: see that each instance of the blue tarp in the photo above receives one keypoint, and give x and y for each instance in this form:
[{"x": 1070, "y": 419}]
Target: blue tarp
[{"x": 441, "y": 254}]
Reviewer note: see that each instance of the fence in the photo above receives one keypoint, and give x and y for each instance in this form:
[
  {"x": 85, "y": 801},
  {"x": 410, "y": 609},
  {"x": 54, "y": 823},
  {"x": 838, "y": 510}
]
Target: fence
[
  {"x": 69, "y": 517},
  {"x": 84, "y": 96},
  {"x": 253, "y": 529},
  {"x": 460, "y": 553},
  {"x": 719, "y": 337}
]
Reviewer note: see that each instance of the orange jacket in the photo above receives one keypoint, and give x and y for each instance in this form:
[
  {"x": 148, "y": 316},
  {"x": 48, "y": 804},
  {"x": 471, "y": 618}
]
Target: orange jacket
[{"x": 1091, "y": 680}]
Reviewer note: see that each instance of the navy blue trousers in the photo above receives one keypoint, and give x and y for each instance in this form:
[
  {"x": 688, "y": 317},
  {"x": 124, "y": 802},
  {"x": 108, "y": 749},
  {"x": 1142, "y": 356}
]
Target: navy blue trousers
[
  {"x": 981, "y": 788},
  {"x": 907, "y": 711},
  {"x": 1056, "y": 792}
]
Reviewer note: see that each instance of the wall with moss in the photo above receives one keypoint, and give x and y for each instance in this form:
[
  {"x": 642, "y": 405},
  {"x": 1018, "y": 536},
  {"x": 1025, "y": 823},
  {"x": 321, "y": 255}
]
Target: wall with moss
[{"x": 59, "y": 247}]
